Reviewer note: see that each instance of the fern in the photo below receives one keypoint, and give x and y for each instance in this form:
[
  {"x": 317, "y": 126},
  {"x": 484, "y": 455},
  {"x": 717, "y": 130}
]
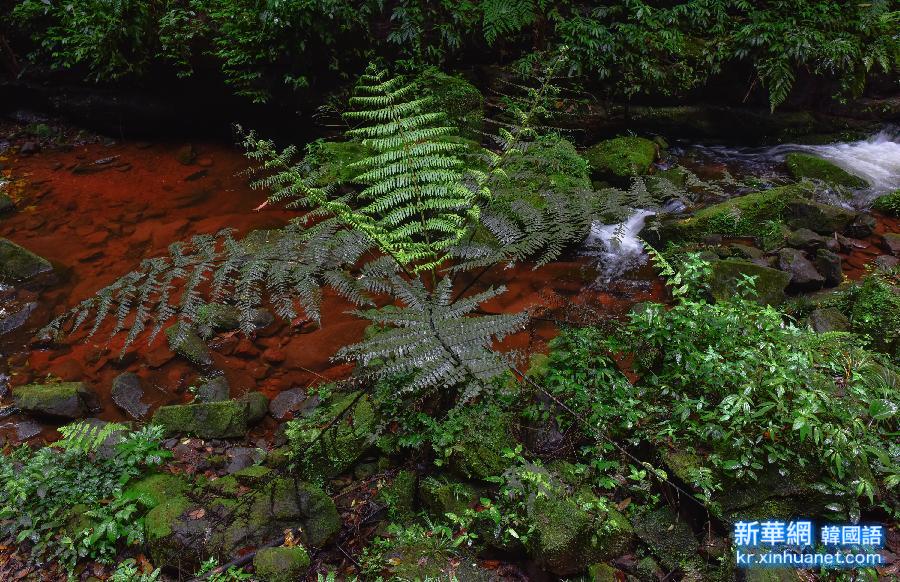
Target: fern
[
  {"x": 86, "y": 437},
  {"x": 436, "y": 340}
]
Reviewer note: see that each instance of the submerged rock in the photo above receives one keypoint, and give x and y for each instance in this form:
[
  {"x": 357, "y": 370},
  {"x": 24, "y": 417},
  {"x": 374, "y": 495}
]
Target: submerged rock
[
  {"x": 64, "y": 400},
  {"x": 621, "y": 157},
  {"x": 127, "y": 392},
  {"x": 6, "y": 203},
  {"x": 15, "y": 316},
  {"x": 186, "y": 342},
  {"x": 19, "y": 264},
  {"x": 770, "y": 283},
  {"x": 216, "y": 390},
  {"x": 808, "y": 166}
]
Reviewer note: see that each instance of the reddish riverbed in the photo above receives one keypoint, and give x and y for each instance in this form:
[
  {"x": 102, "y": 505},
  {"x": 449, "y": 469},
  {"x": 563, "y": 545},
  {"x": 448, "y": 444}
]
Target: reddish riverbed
[{"x": 96, "y": 222}]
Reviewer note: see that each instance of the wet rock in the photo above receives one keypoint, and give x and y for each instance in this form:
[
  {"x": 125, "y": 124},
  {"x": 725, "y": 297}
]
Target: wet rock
[
  {"x": 621, "y": 157},
  {"x": 26, "y": 429},
  {"x": 186, "y": 342},
  {"x": 862, "y": 226},
  {"x": 850, "y": 244},
  {"x": 262, "y": 318},
  {"x": 347, "y": 441},
  {"x": 30, "y": 148},
  {"x": 886, "y": 262},
  {"x": 180, "y": 531},
  {"x": 209, "y": 420},
  {"x": 19, "y": 264},
  {"x": 15, "y": 316},
  {"x": 804, "y": 238},
  {"x": 892, "y": 242},
  {"x": 747, "y": 251},
  {"x": 218, "y": 317},
  {"x": 287, "y": 403},
  {"x": 669, "y": 538},
  {"x": 808, "y": 166},
  {"x": 281, "y": 564},
  {"x": 257, "y": 406},
  {"x": 770, "y": 283},
  {"x": 240, "y": 458},
  {"x": 216, "y": 390},
  {"x": 127, "y": 392},
  {"x": 827, "y": 319},
  {"x": 64, "y": 400},
  {"x": 820, "y": 218},
  {"x": 6, "y": 203},
  {"x": 829, "y": 265},
  {"x": 804, "y": 276}
]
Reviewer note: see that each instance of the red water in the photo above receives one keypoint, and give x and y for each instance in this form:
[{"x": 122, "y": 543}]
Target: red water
[{"x": 97, "y": 226}]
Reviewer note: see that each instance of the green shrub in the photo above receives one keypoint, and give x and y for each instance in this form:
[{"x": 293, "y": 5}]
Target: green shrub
[
  {"x": 873, "y": 307},
  {"x": 69, "y": 502},
  {"x": 888, "y": 204}
]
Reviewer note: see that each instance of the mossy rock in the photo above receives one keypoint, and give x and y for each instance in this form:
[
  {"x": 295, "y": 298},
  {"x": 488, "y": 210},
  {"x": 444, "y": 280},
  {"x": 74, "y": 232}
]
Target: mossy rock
[
  {"x": 478, "y": 450},
  {"x": 548, "y": 163},
  {"x": 62, "y": 400},
  {"x": 6, "y": 203},
  {"x": 159, "y": 523},
  {"x": 158, "y": 488},
  {"x": 212, "y": 420},
  {"x": 806, "y": 166},
  {"x": 442, "y": 495},
  {"x": 218, "y": 317},
  {"x": 187, "y": 343},
  {"x": 770, "y": 283},
  {"x": 19, "y": 264},
  {"x": 400, "y": 497},
  {"x": 602, "y": 573},
  {"x": 621, "y": 157},
  {"x": 817, "y": 217},
  {"x": 671, "y": 540},
  {"x": 745, "y": 215},
  {"x": 459, "y": 99},
  {"x": 345, "y": 442},
  {"x": 888, "y": 204},
  {"x": 281, "y": 564},
  {"x": 568, "y": 538}
]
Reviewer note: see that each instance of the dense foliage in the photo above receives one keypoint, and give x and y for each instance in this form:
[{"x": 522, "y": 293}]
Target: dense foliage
[
  {"x": 68, "y": 501},
  {"x": 633, "y": 47}
]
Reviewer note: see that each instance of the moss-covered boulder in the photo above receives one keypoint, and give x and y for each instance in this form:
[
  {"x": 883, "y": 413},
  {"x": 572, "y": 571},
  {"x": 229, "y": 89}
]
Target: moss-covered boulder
[
  {"x": 158, "y": 488},
  {"x": 621, "y": 157},
  {"x": 770, "y": 283},
  {"x": 441, "y": 495},
  {"x": 549, "y": 163},
  {"x": 817, "y": 217},
  {"x": 217, "y": 317},
  {"x": 459, "y": 99},
  {"x": 477, "y": 452},
  {"x": 827, "y": 319},
  {"x": 187, "y": 343},
  {"x": 345, "y": 442},
  {"x": 572, "y": 532},
  {"x": 400, "y": 497},
  {"x": 888, "y": 204},
  {"x": 281, "y": 564},
  {"x": 62, "y": 400},
  {"x": 746, "y": 215},
  {"x": 19, "y": 264},
  {"x": 808, "y": 166},
  {"x": 602, "y": 573},
  {"x": 219, "y": 520},
  {"x": 670, "y": 539},
  {"x": 227, "y": 419}
]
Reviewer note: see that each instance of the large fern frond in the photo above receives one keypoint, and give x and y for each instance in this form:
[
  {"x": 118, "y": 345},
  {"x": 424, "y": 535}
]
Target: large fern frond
[{"x": 87, "y": 437}]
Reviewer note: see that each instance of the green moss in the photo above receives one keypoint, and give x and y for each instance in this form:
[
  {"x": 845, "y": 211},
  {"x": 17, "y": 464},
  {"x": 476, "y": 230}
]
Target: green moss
[
  {"x": 888, "y": 204},
  {"x": 160, "y": 520},
  {"x": 18, "y": 264},
  {"x": 770, "y": 283},
  {"x": 621, "y": 157},
  {"x": 227, "y": 419},
  {"x": 158, "y": 488},
  {"x": 334, "y": 159},
  {"x": 477, "y": 451},
  {"x": 807, "y": 166},
  {"x": 602, "y": 573},
  {"x": 459, "y": 99},
  {"x": 281, "y": 564},
  {"x": 399, "y": 496},
  {"x": 441, "y": 495},
  {"x": 64, "y": 399},
  {"x": 746, "y": 215},
  {"x": 671, "y": 540}
]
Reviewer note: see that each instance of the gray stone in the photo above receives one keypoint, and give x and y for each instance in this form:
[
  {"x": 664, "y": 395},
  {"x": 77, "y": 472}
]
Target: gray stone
[
  {"x": 242, "y": 457},
  {"x": 803, "y": 238},
  {"x": 770, "y": 283},
  {"x": 829, "y": 265},
  {"x": 20, "y": 264},
  {"x": 127, "y": 392},
  {"x": 64, "y": 400},
  {"x": 287, "y": 402},
  {"x": 215, "y": 390},
  {"x": 15, "y": 317},
  {"x": 862, "y": 226},
  {"x": 820, "y": 218},
  {"x": 886, "y": 262},
  {"x": 804, "y": 276},
  {"x": 747, "y": 251},
  {"x": 892, "y": 243},
  {"x": 828, "y": 319}
]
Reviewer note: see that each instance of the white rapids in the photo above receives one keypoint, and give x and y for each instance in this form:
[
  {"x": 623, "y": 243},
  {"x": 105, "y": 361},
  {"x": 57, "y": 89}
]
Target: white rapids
[{"x": 617, "y": 245}]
